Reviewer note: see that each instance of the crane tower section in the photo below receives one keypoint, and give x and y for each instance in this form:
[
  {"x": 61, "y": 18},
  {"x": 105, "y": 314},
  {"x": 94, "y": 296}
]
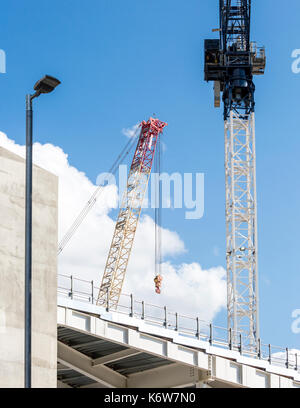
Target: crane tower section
[
  {"x": 231, "y": 62},
  {"x": 129, "y": 213}
]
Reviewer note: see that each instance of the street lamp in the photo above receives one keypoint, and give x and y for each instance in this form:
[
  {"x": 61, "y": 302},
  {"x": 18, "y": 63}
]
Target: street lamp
[{"x": 45, "y": 85}]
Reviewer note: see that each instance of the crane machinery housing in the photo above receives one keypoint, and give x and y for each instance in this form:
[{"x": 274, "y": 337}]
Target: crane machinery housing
[
  {"x": 129, "y": 213},
  {"x": 231, "y": 62}
]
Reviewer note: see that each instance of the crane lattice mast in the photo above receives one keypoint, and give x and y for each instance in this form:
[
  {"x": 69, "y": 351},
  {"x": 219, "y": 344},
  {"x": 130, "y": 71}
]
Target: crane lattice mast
[
  {"x": 129, "y": 213},
  {"x": 231, "y": 63}
]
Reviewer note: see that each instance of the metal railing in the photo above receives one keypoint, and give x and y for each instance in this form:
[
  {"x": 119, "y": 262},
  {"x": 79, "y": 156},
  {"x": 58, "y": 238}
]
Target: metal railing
[{"x": 187, "y": 326}]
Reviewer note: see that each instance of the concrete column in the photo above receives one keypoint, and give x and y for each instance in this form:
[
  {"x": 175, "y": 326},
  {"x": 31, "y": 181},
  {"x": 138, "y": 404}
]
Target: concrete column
[{"x": 44, "y": 286}]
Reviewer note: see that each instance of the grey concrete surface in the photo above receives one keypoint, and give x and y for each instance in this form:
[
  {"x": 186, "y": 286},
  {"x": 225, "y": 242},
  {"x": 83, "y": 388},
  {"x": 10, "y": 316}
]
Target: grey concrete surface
[{"x": 44, "y": 290}]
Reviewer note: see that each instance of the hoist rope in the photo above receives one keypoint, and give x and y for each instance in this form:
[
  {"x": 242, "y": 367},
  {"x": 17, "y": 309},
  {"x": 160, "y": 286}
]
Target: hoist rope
[{"x": 158, "y": 217}]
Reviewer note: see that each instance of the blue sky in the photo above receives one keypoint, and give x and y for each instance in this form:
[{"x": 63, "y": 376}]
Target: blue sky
[{"x": 120, "y": 62}]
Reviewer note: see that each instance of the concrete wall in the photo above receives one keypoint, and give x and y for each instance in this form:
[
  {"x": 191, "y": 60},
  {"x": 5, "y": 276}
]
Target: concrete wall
[{"x": 44, "y": 287}]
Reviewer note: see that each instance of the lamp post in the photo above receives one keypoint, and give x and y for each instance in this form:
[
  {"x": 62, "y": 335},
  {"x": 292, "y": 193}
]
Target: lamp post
[{"x": 45, "y": 85}]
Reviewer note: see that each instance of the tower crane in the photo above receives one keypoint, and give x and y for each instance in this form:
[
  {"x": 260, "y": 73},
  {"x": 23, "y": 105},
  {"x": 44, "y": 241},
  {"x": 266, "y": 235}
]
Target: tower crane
[
  {"x": 129, "y": 213},
  {"x": 231, "y": 62}
]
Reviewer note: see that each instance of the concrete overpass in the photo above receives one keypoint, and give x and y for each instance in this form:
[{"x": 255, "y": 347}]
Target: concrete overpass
[{"x": 99, "y": 348}]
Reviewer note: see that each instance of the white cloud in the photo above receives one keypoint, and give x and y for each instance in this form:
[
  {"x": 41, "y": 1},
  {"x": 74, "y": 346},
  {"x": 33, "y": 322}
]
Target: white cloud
[
  {"x": 187, "y": 288},
  {"x": 216, "y": 251},
  {"x": 131, "y": 132},
  {"x": 280, "y": 358}
]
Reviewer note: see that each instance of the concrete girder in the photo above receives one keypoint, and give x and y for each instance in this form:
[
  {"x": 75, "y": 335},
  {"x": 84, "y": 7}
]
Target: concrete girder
[
  {"x": 61, "y": 384},
  {"x": 115, "y": 357},
  {"x": 83, "y": 364},
  {"x": 171, "y": 376}
]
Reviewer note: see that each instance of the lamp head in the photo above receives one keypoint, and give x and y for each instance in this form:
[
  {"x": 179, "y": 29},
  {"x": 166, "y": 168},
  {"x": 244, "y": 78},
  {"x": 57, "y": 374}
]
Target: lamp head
[{"x": 46, "y": 85}]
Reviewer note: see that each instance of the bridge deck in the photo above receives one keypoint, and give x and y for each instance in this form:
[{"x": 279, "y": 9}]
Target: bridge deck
[{"x": 97, "y": 348}]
